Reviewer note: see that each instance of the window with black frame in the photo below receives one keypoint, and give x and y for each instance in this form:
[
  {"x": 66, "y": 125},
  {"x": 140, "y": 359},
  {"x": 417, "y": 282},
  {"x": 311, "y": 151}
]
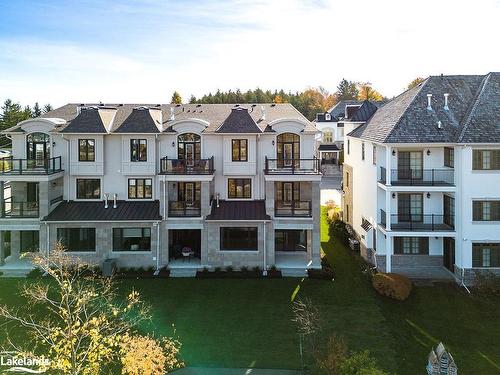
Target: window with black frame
[
  {"x": 189, "y": 148},
  {"x": 86, "y": 150},
  {"x": 288, "y": 150},
  {"x": 77, "y": 239},
  {"x": 449, "y": 157},
  {"x": 239, "y": 150},
  {"x": 238, "y": 239},
  {"x": 410, "y": 207},
  {"x": 486, "y": 210},
  {"x": 138, "y": 150},
  {"x": 131, "y": 239},
  {"x": 140, "y": 188},
  {"x": 411, "y": 245},
  {"x": 239, "y": 188},
  {"x": 486, "y": 159},
  {"x": 486, "y": 255},
  {"x": 290, "y": 240},
  {"x": 288, "y": 192},
  {"x": 88, "y": 188}
]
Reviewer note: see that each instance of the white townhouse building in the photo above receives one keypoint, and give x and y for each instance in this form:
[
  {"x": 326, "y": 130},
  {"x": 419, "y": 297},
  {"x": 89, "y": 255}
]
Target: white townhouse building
[
  {"x": 331, "y": 124},
  {"x": 178, "y": 186},
  {"x": 422, "y": 179}
]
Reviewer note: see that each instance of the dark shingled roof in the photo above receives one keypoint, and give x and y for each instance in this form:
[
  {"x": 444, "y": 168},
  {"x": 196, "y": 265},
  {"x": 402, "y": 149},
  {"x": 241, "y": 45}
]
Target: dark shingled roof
[
  {"x": 88, "y": 121},
  {"x": 239, "y": 121},
  {"x": 328, "y": 148},
  {"x": 239, "y": 210},
  {"x": 473, "y": 113},
  {"x": 139, "y": 121},
  {"x": 95, "y": 211},
  {"x": 364, "y": 112}
]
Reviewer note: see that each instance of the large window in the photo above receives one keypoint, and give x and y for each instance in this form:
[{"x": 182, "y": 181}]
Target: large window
[
  {"x": 140, "y": 188},
  {"x": 449, "y": 157},
  {"x": 138, "y": 150},
  {"x": 374, "y": 155},
  {"x": 189, "y": 148},
  {"x": 290, "y": 240},
  {"x": 238, "y": 239},
  {"x": 131, "y": 239},
  {"x": 411, "y": 245},
  {"x": 410, "y": 165},
  {"x": 77, "y": 239},
  {"x": 239, "y": 188},
  {"x": 288, "y": 150},
  {"x": 287, "y": 192},
  {"x": 327, "y": 136},
  {"x": 486, "y": 255},
  {"x": 486, "y": 210},
  {"x": 410, "y": 207},
  {"x": 240, "y": 149},
  {"x": 88, "y": 188},
  {"x": 486, "y": 159},
  {"x": 86, "y": 150},
  {"x": 363, "y": 151},
  {"x": 448, "y": 210},
  {"x": 348, "y": 146}
]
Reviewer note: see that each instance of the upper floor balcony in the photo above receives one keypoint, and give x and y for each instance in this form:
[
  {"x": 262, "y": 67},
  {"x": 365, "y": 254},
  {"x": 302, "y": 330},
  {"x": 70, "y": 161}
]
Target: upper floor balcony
[
  {"x": 12, "y": 209},
  {"x": 293, "y": 209},
  {"x": 292, "y": 166},
  {"x": 419, "y": 222},
  {"x": 45, "y": 166},
  {"x": 187, "y": 166},
  {"x": 418, "y": 177},
  {"x": 184, "y": 208}
]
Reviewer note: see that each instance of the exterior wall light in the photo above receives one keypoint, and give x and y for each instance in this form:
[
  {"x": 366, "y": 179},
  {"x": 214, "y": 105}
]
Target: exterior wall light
[
  {"x": 173, "y": 143},
  {"x": 428, "y": 152},
  {"x": 393, "y": 195},
  {"x": 393, "y": 152},
  {"x": 428, "y": 195},
  {"x": 273, "y": 142}
]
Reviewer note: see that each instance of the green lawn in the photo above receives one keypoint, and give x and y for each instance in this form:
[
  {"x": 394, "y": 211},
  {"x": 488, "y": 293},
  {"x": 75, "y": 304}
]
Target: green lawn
[{"x": 247, "y": 323}]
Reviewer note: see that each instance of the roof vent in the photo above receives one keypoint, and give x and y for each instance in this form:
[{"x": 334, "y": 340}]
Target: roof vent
[
  {"x": 440, "y": 125},
  {"x": 446, "y": 101},
  {"x": 198, "y": 105},
  {"x": 158, "y": 105},
  {"x": 120, "y": 105},
  {"x": 172, "y": 114},
  {"x": 263, "y": 116},
  {"x": 114, "y": 200},
  {"x": 429, "y": 102}
]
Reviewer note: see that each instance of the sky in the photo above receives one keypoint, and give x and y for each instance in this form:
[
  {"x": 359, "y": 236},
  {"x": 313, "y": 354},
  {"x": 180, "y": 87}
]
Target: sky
[{"x": 141, "y": 51}]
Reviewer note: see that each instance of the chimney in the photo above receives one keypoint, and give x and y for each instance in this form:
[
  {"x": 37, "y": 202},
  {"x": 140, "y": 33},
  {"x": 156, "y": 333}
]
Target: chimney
[
  {"x": 429, "y": 102},
  {"x": 446, "y": 101},
  {"x": 79, "y": 108},
  {"x": 217, "y": 199},
  {"x": 106, "y": 195},
  {"x": 114, "y": 200},
  {"x": 263, "y": 109},
  {"x": 172, "y": 114}
]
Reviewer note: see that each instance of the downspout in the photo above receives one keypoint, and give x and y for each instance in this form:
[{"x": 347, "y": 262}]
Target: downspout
[
  {"x": 48, "y": 238},
  {"x": 158, "y": 225},
  {"x": 68, "y": 149},
  {"x": 164, "y": 197},
  {"x": 264, "y": 272}
]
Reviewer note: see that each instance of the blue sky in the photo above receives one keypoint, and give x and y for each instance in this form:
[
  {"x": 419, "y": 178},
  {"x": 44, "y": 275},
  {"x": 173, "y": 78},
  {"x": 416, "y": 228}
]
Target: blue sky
[{"x": 140, "y": 51}]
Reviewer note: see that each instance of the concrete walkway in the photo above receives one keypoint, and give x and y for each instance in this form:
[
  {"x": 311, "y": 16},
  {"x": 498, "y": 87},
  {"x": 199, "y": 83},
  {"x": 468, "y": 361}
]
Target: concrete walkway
[{"x": 233, "y": 371}]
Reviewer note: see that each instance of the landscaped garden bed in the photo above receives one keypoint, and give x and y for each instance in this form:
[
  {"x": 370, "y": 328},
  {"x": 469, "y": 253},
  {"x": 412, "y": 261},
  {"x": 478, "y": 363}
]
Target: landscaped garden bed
[
  {"x": 242, "y": 273},
  {"x": 142, "y": 273}
]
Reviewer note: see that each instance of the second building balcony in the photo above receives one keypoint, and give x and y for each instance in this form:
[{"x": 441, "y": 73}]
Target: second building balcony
[
  {"x": 292, "y": 166},
  {"x": 293, "y": 209},
  {"x": 19, "y": 210},
  {"x": 419, "y": 177},
  {"x": 419, "y": 222},
  {"x": 184, "y": 209},
  {"x": 10, "y": 166},
  {"x": 187, "y": 166}
]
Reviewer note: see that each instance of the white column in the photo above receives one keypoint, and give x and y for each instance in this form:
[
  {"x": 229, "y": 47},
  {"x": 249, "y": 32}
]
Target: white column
[
  {"x": 388, "y": 166},
  {"x": 388, "y": 254}
]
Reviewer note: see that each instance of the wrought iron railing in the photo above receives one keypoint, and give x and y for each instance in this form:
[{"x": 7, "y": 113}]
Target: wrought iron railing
[
  {"x": 419, "y": 177},
  {"x": 10, "y": 165},
  {"x": 12, "y": 209},
  {"x": 186, "y": 166},
  {"x": 184, "y": 209},
  {"x": 292, "y": 166},
  {"x": 419, "y": 222},
  {"x": 293, "y": 209}
]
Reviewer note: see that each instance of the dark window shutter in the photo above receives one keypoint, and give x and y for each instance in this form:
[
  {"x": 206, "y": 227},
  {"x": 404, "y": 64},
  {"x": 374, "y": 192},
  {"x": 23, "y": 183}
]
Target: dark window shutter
[
  {"x": 398, "y": 245},
  {"x": 476, "y": 159},
  {"x": 476, "y": 256},
  {"x": 424, "y": 245},
  {"x": 477, "y": 210}
]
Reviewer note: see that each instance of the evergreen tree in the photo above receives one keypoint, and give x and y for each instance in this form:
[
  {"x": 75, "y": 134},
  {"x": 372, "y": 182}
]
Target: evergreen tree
[
  {"x": 47, "y": 108},
  {"x": 37, "y": 111},
  {"x": 192, "y": 99},
  {"x": 347, "y": 90},
  {"x": 12, "y": 114}
]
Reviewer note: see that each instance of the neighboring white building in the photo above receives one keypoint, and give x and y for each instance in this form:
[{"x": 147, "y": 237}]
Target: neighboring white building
[
  {"x": 422, "y": 176},
  {"x": 332, "y": 126},
  {"x": 238, "y": 185}
]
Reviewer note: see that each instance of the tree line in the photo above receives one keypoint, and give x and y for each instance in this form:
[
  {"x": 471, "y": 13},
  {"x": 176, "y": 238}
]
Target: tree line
[{"x": 12, "y": 113}]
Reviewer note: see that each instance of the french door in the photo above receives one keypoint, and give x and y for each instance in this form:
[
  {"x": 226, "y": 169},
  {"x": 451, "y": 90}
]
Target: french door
[
  {"x": 190, "y": 154},
  {"x": 187, "y": 192},
  {"x": 410, "y": 165},
  {"x": 288, "y": 154},
  {"x": 410, "y": 207},
  {"x": 37, "y": 154}
]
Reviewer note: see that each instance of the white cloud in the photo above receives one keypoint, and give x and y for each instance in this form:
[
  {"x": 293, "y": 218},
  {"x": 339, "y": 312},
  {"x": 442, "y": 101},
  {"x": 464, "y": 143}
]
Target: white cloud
[{"x": 199, "y": 47}]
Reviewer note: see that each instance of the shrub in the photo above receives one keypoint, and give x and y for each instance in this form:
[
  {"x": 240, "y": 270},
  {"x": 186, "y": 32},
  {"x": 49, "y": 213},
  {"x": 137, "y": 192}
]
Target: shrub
[
  {"x": 229, "y": 268},
  {"x": 243, "y": 268},
  {"x": 487, "y": 282},
  {"x": 217, "y": 269},
  {"x": 360, "y": 364},
  {"x": 256, "y": 269},
  {"x": 392, "y": 285},
  {"x": 35, "y": 273},
  {"x": 329, "y": 361},
  {"x": 338, "y": 230}
]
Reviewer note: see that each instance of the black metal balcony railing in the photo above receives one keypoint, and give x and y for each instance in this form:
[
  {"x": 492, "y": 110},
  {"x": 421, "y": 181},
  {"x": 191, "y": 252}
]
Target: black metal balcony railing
[
  {"x": 419, "y": 222},
  {"x": 419, "y": 177},
  {"x": 293, "y": 209},
  {"x": 184, "y": 209},
  {"x": 19, "y": 209},
  {"x": 30, "y": 166},
  {"x": 183, "y": 166},
  {"x": 292, "y": 166},
  {"x": 56, "y": 199}
]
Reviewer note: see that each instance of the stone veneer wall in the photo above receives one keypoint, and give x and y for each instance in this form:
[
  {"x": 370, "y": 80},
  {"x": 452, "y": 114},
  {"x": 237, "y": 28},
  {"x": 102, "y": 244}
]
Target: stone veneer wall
[
  {"x": 348, "y": 196},
  {"x": 469, "y": 273}
]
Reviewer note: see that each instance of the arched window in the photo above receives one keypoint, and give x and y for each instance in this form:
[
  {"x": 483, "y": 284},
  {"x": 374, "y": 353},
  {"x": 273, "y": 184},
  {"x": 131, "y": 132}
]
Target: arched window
[
  {"x": 189, "y": 148},
  {"x": 38, "y": 147},
  {"x": 288, "y": 150},
  {"x": 327, "y": 136}
]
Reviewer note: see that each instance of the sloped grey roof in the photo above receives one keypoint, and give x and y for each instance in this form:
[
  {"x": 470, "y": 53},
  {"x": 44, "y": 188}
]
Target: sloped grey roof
[
  {"x": 88, "y": 121},
  {"x": 214, "y": 114},
  {"x": 95, "y": 211},
  {"x": 239, "y": 121},
  {"x": 138, "y": 121},
  {"x": 239, "y": 210},
  {"x": 406, "y": 118},
  {"x": 364, "y": 112}
]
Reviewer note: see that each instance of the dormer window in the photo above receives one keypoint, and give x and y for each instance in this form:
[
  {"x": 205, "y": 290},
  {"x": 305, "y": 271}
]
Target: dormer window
[{"x": 328, "y": 117}]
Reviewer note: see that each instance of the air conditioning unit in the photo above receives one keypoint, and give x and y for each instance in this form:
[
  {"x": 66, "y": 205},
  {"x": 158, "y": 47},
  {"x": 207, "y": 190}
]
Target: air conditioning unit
[
  {"x": 354, "y": 244},
  {"x": 109, "y": 267}
]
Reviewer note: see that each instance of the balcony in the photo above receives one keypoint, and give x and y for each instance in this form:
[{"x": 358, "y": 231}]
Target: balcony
[
  {"x": 293, "y": 209},
  {"x": 419, "y": 177},
  {"x": 187, "y": 166},
  {"x": 19, "y": 209},
  {"x": 184, "y": 209},
  {"x": 292, "y": 166},
  {"x": 419, "y": 222},
  {"x": 10, "y": 166}
]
